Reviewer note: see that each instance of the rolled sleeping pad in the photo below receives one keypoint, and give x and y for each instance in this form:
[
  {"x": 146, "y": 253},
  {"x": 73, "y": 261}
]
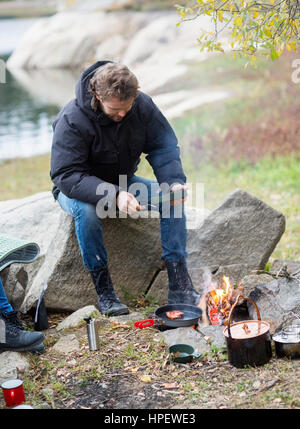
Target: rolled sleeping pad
[{"x": 17, "y": 250}]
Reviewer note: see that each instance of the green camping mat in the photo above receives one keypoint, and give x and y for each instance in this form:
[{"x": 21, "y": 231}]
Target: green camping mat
[{"x": 17, "y": 250}]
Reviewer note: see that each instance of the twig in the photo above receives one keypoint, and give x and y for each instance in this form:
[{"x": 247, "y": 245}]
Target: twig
[
  {"x": 282, "y": 272},
  {"x": 258, "y": 392},
  {"x": 116, "y": 375},
  {"x": 267, "y": 386}
]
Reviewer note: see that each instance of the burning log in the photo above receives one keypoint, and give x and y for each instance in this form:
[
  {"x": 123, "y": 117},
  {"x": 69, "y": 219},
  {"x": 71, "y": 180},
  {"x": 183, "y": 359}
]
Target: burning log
[{"x": 217, "y": 303}]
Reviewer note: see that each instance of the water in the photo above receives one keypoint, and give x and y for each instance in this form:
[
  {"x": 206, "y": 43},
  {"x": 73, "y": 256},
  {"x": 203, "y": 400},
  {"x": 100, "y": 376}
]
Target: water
[
  {"x": 29, "y": 100},
  {"x": 10, "y": 32}
]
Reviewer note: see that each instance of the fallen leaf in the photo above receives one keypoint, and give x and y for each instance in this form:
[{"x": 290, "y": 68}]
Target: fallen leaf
[
  {"x": 145, "y": 378},
  {"x": 256, "y": 384},
  {"x": 171, "y": 385}
]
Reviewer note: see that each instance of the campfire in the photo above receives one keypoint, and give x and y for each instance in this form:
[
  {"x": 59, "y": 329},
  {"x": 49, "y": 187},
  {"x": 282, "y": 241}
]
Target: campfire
[{"x": 219, "y": 302}]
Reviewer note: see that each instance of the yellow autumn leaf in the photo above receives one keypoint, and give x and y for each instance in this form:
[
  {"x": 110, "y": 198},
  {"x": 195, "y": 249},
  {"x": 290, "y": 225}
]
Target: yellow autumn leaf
[
  {"x": 220, "y": 15},
  {"x": 267, "y": 32},
  {"x": 291, "y": 45},
  {"x": 238, "y": 21},
  {"x": 145, "y": 378},
  {"x": 255, "y": 14}
]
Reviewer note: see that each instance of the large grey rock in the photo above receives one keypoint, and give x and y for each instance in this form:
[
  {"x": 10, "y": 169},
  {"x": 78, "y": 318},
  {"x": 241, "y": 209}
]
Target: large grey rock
[
  {"x": 149, "y": 39},
  {"x": 242, "y": 231},
  {"x": 51, "y": 35},
  {"x": 277, "y": 301},
  {"x": 70, "y": 39}
]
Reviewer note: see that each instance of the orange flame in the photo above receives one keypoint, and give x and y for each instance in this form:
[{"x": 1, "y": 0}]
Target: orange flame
[{"x": 219, "y": 302}]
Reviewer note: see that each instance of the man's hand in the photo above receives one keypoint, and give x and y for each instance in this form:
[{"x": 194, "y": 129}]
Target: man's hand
[
  {"x": 127, "y": 203},
  {"x": 178, "y": 187}
]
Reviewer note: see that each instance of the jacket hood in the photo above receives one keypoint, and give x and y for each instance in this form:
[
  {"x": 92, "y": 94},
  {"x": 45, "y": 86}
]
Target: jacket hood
[{"x": 83, "y": 96}]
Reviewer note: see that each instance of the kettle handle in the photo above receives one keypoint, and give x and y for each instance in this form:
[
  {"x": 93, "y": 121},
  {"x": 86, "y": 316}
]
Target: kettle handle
[{"x": 233, "y": 307}]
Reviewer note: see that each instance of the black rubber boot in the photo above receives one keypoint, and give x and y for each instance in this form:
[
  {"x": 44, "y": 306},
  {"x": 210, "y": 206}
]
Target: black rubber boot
[
  {"x": 181, "y": 289},
  {"x": 14, "y": 337},
  {"x": 108, "y": 303}
]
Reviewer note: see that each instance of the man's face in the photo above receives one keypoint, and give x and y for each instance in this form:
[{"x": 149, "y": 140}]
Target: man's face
[{"x": 116, "y": 109}]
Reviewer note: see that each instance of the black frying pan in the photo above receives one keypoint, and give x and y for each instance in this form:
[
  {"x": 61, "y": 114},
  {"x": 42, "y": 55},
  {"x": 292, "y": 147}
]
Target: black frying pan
[{"x": 190, "y": 317}]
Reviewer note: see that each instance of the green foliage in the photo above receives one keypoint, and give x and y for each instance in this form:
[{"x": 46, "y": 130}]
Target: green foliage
[
  {"x": 217, "y": 353},
  {"x": 270, "y": 25},
  {"x": 268, "y": 266}
]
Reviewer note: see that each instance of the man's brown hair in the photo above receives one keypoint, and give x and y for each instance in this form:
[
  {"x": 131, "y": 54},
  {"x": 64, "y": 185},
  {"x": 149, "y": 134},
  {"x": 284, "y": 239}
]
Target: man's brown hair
[{"x": 112, "y": 80}]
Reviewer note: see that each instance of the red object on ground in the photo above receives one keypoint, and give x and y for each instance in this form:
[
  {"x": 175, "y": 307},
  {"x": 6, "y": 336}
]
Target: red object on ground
[
  {"x": 144, "y": 323},
  {"x": 13, "y": 392}
]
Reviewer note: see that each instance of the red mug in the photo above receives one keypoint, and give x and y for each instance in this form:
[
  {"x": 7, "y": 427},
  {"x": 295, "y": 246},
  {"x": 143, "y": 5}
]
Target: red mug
[{"x": 13, "y": 392}]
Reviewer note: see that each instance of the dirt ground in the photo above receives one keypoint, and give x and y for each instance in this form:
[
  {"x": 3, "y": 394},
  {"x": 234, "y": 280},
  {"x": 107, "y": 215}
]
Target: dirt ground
[{"x": 132, "y": 370}]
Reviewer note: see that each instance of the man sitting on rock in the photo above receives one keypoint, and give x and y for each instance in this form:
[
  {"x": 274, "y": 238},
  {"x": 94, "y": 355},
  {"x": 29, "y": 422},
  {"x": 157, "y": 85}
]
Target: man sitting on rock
[
  {"x": 98, "y": 138},
  {"x": 13, "y": 336}
]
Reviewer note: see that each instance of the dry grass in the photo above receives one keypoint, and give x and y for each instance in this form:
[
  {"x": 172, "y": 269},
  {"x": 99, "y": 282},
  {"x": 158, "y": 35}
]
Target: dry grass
[{"x": 22, "y": 177}]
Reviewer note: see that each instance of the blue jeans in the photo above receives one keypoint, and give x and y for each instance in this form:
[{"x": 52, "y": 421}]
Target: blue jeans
[
  {"x": 4, "y": 304},
  {"x": 88, "y": 227}
]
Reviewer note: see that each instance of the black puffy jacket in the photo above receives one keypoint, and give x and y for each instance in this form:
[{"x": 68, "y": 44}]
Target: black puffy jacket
[{"x": 89, "y": 148}]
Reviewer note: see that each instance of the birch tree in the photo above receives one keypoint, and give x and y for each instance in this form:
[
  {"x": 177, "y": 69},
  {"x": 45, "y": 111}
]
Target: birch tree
[{"x": 267, "y": 26}]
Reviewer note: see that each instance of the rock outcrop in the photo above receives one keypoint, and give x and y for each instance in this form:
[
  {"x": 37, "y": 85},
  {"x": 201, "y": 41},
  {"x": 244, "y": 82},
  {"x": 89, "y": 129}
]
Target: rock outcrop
[{"x": 235, "y": 238}]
